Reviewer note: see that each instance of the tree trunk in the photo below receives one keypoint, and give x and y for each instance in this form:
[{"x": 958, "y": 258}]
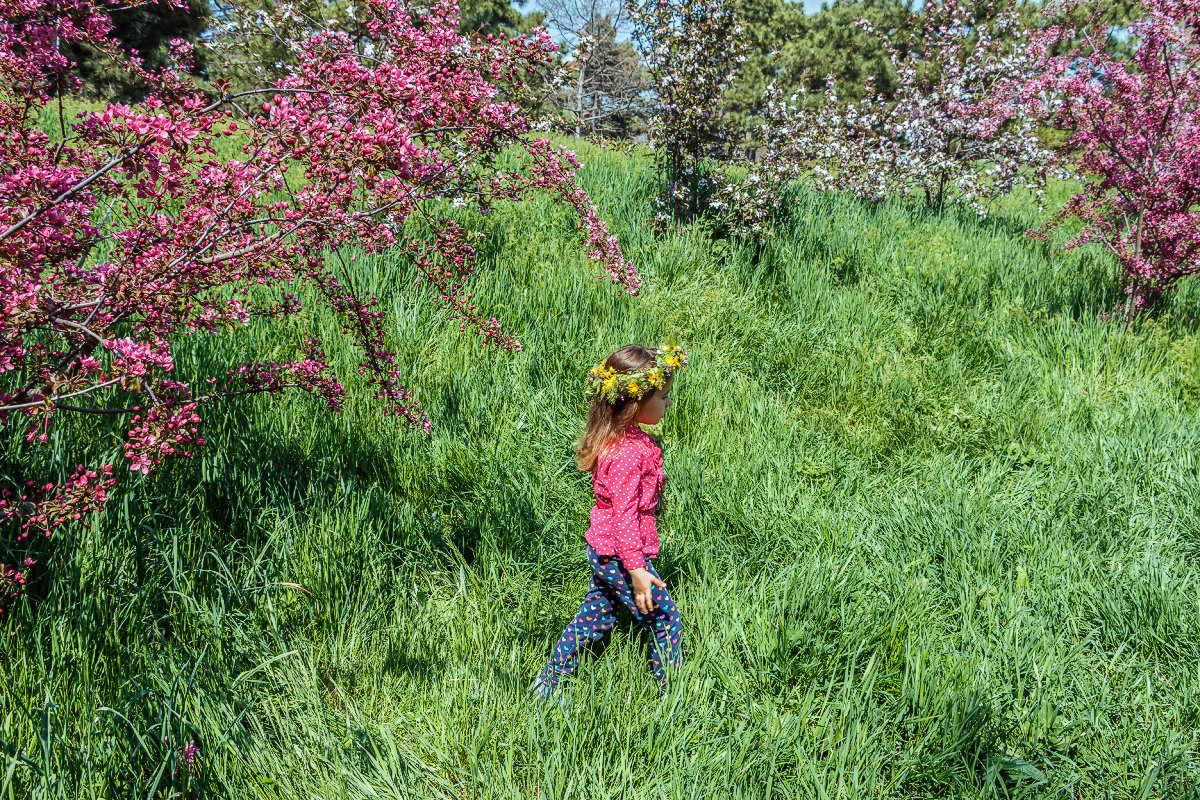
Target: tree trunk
[{"x": 579, "y": 98}]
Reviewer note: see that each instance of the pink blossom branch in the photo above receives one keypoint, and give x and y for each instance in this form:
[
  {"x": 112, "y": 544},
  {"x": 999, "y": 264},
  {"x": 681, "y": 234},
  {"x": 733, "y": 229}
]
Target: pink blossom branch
[{"x": 195, "y": 241}]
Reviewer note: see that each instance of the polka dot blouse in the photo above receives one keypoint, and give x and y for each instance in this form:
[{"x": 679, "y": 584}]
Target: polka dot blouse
[{"x": 628, "y": 482}]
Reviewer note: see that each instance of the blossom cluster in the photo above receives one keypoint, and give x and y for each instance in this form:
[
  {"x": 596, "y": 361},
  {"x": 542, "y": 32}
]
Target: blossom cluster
[
  {"x": 13, "y": 580},
  {"x": 952, "y": 131},
  {"x": 693, "y": 50},
  {"x": 36, "y": 511},
  {"x": 133, "y": 224},
  {"x": 1134, "y": 126},
  {"x": 189, "y": 755},
  {"x": 40, "y": 509}
]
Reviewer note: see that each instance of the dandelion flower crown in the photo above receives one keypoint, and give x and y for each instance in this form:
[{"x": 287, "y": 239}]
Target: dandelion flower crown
[{"x": 605, "y": 382}]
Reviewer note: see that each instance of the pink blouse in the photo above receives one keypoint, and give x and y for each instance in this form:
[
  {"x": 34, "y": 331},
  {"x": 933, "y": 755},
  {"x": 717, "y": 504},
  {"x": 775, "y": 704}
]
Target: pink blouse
[{"x": 628, "y": 482}]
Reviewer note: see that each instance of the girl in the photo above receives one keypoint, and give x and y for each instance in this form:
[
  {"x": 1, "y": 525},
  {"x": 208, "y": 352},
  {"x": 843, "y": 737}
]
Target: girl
[{"x": 631, "y": 387}]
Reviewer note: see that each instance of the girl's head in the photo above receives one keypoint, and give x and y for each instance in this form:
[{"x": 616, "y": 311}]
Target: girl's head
[{"x": 613, "y": 410}]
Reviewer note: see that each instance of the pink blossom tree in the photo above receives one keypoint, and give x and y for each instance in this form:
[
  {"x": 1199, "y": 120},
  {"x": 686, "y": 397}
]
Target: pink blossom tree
[
  {"x": 1134, "y": 126},
  {"x": 128, "y": 229}
]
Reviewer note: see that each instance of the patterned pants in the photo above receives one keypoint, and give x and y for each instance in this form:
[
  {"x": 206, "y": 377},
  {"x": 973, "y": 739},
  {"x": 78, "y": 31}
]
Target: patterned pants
[{"x": 610, "y": 588}]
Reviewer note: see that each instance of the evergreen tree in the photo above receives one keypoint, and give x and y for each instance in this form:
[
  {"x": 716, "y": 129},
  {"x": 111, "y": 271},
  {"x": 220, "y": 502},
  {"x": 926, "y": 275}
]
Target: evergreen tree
[
  {"x": 797, "y": 51},
  {"x": 147, "y": 29},
  {"x": 503, "y": 16},
  {"x": 771, "y": 24}
]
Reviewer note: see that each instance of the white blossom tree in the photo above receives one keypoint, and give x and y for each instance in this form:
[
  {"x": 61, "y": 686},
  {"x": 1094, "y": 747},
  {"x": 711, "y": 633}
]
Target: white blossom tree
[
  {"x": 952, "y": 132},
  {"x": 693, "y": 50}
]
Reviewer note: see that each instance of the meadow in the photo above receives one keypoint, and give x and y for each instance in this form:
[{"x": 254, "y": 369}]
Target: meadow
[{"x": 931, "y": 523}]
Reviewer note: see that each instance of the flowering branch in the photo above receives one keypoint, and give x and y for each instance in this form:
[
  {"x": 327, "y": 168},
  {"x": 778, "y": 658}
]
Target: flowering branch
[
  {"x": 1134, "y": 129},
  {"x": 403, "y": 119}
]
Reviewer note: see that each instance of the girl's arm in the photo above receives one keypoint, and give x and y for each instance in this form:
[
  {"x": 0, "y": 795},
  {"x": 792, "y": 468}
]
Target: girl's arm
[{"x": 624, "y": 483}]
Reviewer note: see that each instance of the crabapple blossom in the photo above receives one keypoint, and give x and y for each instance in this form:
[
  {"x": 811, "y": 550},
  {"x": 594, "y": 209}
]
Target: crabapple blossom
[
  {"x": 952, "y": 130},
  {"x": 197, "y": 211},
  {"x": 1134, "y": 126}
]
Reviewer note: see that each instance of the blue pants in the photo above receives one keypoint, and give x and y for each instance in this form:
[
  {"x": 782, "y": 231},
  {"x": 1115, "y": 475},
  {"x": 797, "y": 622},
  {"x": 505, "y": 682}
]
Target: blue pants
[{"x": 611, "y": 587}]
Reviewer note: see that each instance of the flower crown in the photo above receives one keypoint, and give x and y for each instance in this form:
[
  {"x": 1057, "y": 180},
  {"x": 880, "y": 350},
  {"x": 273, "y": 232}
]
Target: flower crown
[{"x": 611, "y": 385}]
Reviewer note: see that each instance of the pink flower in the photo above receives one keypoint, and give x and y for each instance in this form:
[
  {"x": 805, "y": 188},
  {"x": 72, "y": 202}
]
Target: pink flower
[
  {"x": 199, "y": 242},
  {"x": 1135, "y": 127},
  {"x": 190, "y": 753}
]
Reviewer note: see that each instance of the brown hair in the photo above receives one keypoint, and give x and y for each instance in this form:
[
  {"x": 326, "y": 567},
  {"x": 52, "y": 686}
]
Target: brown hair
[{"x": 608, "y": 421}]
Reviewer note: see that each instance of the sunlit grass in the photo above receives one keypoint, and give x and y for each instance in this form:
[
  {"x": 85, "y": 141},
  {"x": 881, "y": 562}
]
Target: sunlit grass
[{"x": 930, "y": 522}]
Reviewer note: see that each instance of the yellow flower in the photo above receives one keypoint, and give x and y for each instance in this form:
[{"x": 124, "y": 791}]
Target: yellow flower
[
  {"x": 634, "y": 389},
  {"x": 656, "y": 379},
  {"x": 609, "y": 385},
  {"x": 672, "y": 362}
]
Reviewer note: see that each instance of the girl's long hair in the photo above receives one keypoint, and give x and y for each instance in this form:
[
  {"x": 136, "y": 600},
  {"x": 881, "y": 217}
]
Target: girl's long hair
[{"x": 607, "y": 421}]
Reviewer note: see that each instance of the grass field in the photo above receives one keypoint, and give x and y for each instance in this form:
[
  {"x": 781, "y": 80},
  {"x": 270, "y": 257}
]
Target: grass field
[{"x": 931, "y": 523}]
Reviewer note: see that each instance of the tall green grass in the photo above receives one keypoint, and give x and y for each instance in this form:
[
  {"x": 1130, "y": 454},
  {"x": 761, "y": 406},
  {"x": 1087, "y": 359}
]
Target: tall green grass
[{"x": 931, "y": 523}]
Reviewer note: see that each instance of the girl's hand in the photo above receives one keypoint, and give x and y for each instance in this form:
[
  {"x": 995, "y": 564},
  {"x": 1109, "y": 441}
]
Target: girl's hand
[{"x": 643, "y": 583}]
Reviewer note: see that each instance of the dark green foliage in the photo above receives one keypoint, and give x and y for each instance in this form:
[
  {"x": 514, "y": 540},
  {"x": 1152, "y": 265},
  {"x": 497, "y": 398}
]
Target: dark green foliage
[
  {"x": 147, "y": 29},
  {"x": 797, "y": 51},
  {"x": 771, "y": 24},
  {"x": 931, "y": 524},
  {"x": 498, "y": 16},
  {"x": 832, "y": 44}
]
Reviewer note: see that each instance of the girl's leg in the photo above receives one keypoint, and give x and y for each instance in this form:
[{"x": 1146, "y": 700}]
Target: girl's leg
[
  {"x": 663, "y": 626},
  {"x": 596, "y": 615},
  {"x": 664, "y": 629}
]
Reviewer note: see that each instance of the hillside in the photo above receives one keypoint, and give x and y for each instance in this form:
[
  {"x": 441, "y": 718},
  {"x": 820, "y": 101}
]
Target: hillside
[{"x": 931, "y": 523}]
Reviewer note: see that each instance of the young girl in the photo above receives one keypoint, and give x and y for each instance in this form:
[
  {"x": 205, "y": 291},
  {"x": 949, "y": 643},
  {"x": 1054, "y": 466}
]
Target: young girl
[{"x": 630, "y": 387}]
